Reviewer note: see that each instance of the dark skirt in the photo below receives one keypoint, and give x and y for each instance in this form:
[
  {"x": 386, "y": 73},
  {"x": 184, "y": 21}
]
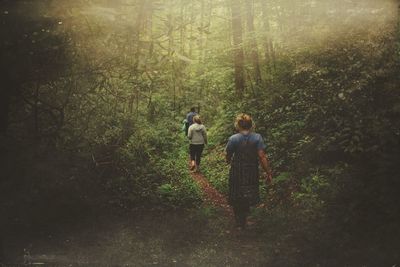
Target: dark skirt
[{"x": 243, "y": 177}]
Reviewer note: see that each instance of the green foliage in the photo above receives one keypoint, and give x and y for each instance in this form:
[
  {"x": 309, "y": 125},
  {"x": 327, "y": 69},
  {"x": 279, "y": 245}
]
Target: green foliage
[
  {"x": 178, "y": 187},
  {"x": 216, "y": 170},
  {"x": 139, "y": 162},
  {"x": 282, "y": 177},
  {"x": 308, "y": 198},
  {"x": 328, "y": 119}
]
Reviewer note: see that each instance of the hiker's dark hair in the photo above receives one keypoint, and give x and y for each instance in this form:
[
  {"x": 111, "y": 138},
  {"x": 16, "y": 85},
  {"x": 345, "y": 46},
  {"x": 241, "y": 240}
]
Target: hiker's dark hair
[{"x": 192, "y": 109}]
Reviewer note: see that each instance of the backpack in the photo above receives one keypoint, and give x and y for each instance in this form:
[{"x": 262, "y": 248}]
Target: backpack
[{"x": 185, "y": 126}]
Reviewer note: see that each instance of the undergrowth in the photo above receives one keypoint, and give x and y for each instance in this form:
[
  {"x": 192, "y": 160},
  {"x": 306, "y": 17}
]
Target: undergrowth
[
  {"x": 178, "y": 188},
  {"x": 215, "y": 168}
]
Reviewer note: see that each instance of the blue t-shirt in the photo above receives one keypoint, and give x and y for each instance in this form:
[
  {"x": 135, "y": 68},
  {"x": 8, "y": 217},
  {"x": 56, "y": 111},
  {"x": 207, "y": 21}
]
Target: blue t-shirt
[
  {"x": 189, "y": 117},
  {"x": 238, "y": 138}
]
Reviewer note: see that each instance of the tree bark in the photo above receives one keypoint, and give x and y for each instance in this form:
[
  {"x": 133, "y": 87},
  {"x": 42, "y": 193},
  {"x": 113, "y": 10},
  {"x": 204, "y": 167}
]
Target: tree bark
[
  {"x": 237, "y": 36},
  {"x": 149, "y": 26},
  {"x": 5, "y": 106},
  {"x": 182, "y": 27},
  {"x": 252, "y": 41},
  {"x": 138, "y": 25},
  {"x": 201, "y": 31},
  {"x": 36, "y": 111},
  {"x": 171, "y": 51},
  {"x": 269, "y": 53},
  {"x": 192, "y": 16}
]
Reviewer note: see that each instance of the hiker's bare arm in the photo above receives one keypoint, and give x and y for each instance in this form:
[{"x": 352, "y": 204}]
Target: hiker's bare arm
[{"x": 265, "y": 164}]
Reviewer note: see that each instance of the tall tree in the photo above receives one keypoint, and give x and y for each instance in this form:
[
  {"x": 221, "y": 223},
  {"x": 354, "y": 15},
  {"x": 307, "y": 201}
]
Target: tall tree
[
  {"x": 253, "y": 49},
  {"x": 140, "y": 17},
  {"x": 237, "y": 35},
  {"x": 171, "y": 50},
  {"x": 191, "y": 35},
  {"x": 140, "y": 21},
  {"x": 149, "y": 26},
  {"x": 201, "y": 30},
  {"x": 268, "y": 44},
  {"x": 182, "y": 26}
]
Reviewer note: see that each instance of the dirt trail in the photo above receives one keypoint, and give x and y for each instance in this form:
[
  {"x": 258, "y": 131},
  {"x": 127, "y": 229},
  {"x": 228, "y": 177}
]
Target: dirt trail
[{"x": 211, "y": 195}]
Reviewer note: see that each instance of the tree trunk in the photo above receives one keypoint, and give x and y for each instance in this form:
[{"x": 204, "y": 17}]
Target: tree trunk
[
  {"x": 252, "y": 41},
  {"x": 138, "y": 25},
  {"x": 207, "y": 30},
  {"x": 237, "y": 46},
  {"x": 268, "y": 44},
  {"x": 36, "y": 112},
  {"x": 397, "y": 51},
  {"x": 171, "y": 44},
  {"x": 137, "y": 102},
  {"x": 191, "y": 30},
  {"x": 149, "y": 26},
  {"x": 201, "y": 31},
  {"x": 5, "y": 106},
  {"x": 182, "y": 27}
]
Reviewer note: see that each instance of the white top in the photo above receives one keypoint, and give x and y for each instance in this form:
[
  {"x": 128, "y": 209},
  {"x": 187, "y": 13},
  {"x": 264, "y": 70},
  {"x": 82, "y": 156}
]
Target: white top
[{"x": 197, "y": 134}]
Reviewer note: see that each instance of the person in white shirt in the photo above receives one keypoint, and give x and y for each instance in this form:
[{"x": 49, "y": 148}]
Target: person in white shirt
[{"x": 197, "y": 135}]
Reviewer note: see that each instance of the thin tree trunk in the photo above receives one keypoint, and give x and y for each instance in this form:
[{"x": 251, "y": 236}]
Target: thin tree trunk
[
  {"x": 5, "y": 105},
  {"x": 191, "y": 30},
  {"x": 201, "y": 31},
  {"x": 36, "y": 112},
  {"x": 138, "y": 24},
  {"x": 149, "y": 32},
  {"x": 397, "y": 49},
  {"x": 137, "y": 32},
  {"x": 131, "y": 100},
  {"x": 149, "y": 26},
  {"x": 207, "y": 30},
  {"x": 137, "y": 102},
  {"x": 237, "y": 46},
  {"x": 206, "y": 22},
  {"x": 171, "y": 56},
  {"x": 252, "y": 41},
  {"x": 183, "y": 28},
  {"x": 170, "y": 34},
  {"x": 268, "y": 44}
]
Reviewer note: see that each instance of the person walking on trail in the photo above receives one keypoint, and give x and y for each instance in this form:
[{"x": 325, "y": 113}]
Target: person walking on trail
[
  {"x": 197, "y": 135},
  {"x": 189, "y": 119},
  {"x": 244, "y": 151}
]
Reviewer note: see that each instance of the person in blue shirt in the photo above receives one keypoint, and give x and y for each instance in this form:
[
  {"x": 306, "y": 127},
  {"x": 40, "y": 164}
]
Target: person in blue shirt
[
  {"x": 189, "y": 119},
  {"x": 245, "y": 150}
]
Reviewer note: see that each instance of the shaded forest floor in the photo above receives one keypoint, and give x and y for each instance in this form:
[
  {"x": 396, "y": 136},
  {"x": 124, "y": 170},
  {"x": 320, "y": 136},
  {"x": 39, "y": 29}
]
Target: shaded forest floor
[
  {"x": 205, "y": 236},
  {"x": 65, "y": 231},
  {"x": 181, "y": 239},
  {"x": 197, "y": 237}
]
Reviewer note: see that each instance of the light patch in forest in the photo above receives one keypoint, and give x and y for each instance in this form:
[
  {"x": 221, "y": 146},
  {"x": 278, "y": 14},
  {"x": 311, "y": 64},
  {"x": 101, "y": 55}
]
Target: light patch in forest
[{"x": 105, "y": 13}]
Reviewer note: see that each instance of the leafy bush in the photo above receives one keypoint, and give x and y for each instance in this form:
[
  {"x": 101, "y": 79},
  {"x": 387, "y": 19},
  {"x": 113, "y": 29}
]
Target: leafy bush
[
  {"x": 215, "y": 169},
  {"x": 148, "y": 168},
  {"x": 329, "y": 124},
  {"x": 178, "y": 187}
]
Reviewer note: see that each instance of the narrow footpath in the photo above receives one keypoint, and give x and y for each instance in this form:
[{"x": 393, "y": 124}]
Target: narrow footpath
[{"x": 211, "y": 195}]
